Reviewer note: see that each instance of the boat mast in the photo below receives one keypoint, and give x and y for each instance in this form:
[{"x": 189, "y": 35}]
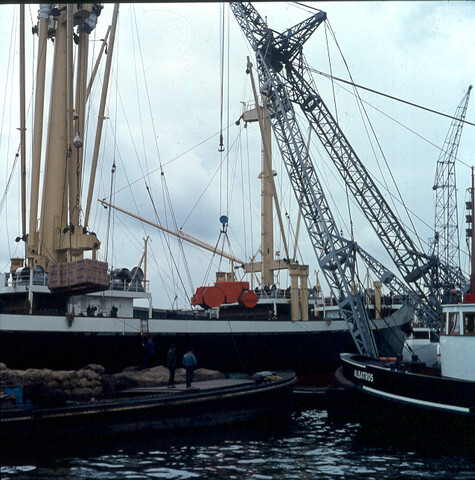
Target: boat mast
[
  {"x": 22, "y": 121},
  {"x": 42, "y": 30},
  {"x": 268, "y": 265},
  {"x": 61, "y": 236},
  {"x": 54, "y": 205},
  {"x": 100, "y": 120}
]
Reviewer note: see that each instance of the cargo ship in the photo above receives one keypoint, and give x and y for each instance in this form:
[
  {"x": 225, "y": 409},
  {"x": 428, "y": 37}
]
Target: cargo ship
[{"x": 62, "y": 307}]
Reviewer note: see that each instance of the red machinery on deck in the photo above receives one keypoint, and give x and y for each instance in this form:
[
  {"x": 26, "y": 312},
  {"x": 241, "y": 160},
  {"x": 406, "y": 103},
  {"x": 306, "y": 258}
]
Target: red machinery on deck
[{"x": 225, "y": 292}]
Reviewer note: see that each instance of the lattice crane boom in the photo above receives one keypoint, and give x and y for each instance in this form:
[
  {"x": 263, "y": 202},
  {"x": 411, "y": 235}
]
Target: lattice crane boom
[
  {"x": 286, "y": 58},
  {"x": 336, "y": 255},
  {"x": 446, "y": 238},
  {"x": 276, "y": 55}
]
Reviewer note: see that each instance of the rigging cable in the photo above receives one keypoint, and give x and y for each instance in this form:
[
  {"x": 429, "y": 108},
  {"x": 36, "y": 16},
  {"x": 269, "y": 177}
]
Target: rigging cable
[
  {"x": 166, "y": 192},
  {"x": 11, "y": 51},
  {"x": 394, "y": 198},
  {"x": 110, "y": 212},
  {"x": 154, "y": 170},
  {"x": 352, "y": 236},
  {"x": 361, "y": 105},
  {"x": 9, "y": 181},
  {"x": 352, "y": 83},
  {"x": 228, "y": 109},
  {"x": 168, "y": 243}
]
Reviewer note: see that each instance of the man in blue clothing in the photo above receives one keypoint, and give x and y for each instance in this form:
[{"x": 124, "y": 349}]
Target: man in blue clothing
[
  {"x": 149, "y": 351},
  {"x": 189, "y": 364}
]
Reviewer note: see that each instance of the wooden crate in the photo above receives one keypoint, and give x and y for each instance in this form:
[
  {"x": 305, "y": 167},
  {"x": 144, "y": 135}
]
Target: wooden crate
[{"x": 81, "y": 276}]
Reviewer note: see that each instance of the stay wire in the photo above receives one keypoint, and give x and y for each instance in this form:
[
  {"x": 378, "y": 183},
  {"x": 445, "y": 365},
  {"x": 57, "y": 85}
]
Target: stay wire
[
  {"x": 223, "y": 159},
  {"x": 166, "y": 192},
  {"x": 361, "y": 105},
  {"x": 167, "y": 163},
  {"x": 163, "y": 236},
  {"x": 167, "y": 242},
  {"x": 394, "y": 198},
  {"x": 352, "y": 83}
]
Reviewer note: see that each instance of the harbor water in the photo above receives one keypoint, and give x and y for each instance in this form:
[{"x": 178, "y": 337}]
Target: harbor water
[{"x": 307, "y": 447}]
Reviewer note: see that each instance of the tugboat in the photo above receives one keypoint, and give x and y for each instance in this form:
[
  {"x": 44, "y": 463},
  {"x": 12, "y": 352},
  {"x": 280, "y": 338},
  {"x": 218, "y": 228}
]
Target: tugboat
[{"x": 418, "y": 401}]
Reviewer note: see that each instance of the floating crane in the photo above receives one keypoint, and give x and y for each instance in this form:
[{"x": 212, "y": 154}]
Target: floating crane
[
  {"x": 281, "y": 67},
  {"x": 446, "y": 233}
]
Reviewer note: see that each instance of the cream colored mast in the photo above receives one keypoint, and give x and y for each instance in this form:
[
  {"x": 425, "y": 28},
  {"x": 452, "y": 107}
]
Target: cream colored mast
[
  {"x": 54, "y": 204},
  {"x": 100, "y": 119},
  {"x": 22, "y": 120},
  {"x": 297, "y": 272},
  {"x": 75, "y": 178},
  {"x": 269, "y": 191},
  {"x": 61, "y": 237},
  {"x": 42, "y": 30}
]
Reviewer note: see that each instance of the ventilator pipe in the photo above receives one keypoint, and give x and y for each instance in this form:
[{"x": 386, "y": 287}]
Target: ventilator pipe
[{"x": 45, "y": 10}]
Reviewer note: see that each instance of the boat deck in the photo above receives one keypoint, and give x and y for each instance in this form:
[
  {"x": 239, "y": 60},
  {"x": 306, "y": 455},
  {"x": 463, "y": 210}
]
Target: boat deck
[{"x": 203, "y": 385}]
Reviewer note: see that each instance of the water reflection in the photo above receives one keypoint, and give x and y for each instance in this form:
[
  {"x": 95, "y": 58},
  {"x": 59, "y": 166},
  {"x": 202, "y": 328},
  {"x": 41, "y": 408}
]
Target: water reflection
[{"x": 307, "y": 447}]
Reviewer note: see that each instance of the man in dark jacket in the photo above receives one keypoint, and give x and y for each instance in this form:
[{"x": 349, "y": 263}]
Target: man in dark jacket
[
  {"x": 149, "y": 351},
  {"x": 171, "y": 364}
]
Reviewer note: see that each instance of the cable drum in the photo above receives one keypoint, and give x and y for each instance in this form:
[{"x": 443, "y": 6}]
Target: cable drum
[{"x": 137, "y": 278}]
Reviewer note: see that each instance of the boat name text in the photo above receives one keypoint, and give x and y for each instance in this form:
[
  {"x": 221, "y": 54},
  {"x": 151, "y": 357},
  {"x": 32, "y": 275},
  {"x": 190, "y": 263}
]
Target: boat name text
[{"x": 364, "y": 375}]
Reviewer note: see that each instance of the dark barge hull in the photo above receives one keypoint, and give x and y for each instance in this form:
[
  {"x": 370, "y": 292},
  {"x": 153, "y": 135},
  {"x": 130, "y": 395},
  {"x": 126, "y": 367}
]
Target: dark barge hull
[
  {"x": 409, "y": 407},
  {"x": 235, "y": 403},
  {"x": 307, "y": 352}
]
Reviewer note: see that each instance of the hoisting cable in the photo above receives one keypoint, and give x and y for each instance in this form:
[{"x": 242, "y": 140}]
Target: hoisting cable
[
  {"x": 210, "y": 181},
  {"x": 223, "y": 234},
  {"x": 221, "y": 111}
]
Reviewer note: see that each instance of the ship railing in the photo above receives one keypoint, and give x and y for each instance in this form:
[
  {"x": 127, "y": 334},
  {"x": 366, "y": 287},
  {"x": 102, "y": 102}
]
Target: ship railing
[
  {"x": 136, "y": 286},
  {"x": 272, "y": 293},
  {"x": 19, "y": 279}
]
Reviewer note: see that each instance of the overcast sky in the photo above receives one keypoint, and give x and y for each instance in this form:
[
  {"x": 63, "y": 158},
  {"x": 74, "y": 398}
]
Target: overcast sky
[{"x": 165, "y": 105}]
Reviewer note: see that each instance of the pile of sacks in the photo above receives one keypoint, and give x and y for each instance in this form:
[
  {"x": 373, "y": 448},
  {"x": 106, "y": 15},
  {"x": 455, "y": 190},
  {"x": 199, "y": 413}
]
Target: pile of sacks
[
  {"x": 93, "y": 380},
  {"x": 75, "y": 383}
]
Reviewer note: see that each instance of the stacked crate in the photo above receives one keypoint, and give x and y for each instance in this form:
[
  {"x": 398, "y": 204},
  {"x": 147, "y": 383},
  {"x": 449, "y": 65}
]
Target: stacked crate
[{"x": 81, "y": 276}]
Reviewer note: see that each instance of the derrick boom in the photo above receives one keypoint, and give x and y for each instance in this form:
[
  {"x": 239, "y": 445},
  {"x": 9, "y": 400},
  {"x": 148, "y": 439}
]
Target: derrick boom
[{"x": 282, "y": 68}]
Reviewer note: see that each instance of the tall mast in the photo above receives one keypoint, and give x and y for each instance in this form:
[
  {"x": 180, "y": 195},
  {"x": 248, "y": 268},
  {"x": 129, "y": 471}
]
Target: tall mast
[
  {"x": 22, "y": 120},
  {"x": 61, "y": 237},
  {"x": 100, "y": 120},
  {"x": 75, "y": 179},
  {"x": 54, "y": 206},
  {"x": 43, "y": 18}
]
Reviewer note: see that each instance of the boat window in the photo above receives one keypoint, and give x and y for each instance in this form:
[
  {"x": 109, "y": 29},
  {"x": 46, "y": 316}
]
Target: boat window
[
  {"x": 424, "y": 335},
  {"x": 469, "y": 323},
  {"x": 454, "y": 323}
]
